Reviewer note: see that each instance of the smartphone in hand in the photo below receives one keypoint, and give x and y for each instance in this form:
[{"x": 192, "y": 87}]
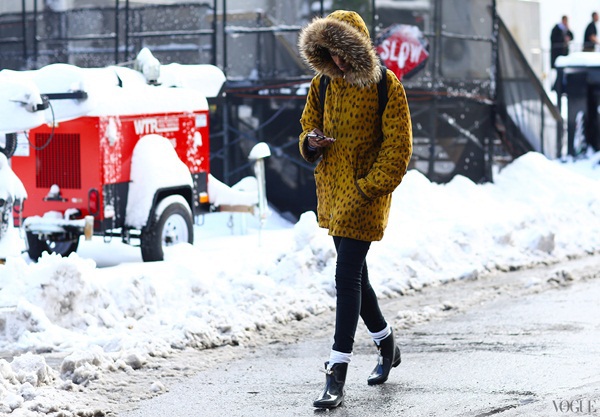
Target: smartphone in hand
[{"x": 316, "y": 135}]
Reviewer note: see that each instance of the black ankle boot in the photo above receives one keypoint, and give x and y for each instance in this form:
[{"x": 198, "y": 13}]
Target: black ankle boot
[
  {"x": 333, "y": 393},
  {"x": 388, "y": 357}
]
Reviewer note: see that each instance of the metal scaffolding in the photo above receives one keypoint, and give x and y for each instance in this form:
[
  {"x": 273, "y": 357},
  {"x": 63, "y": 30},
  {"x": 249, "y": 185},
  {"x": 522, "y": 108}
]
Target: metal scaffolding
[{"x": 474, "y": 102}]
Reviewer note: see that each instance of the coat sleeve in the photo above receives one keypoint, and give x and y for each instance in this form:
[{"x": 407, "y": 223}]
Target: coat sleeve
[
  {"x": 392, "y": 160},
  {"x": 312, "y": 118}
]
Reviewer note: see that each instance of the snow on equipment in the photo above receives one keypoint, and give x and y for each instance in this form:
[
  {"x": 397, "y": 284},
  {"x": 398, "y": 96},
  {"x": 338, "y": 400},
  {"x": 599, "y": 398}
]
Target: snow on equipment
[
  {"x": 120, "y": 153},
  {"x": 12, "y": 195}
]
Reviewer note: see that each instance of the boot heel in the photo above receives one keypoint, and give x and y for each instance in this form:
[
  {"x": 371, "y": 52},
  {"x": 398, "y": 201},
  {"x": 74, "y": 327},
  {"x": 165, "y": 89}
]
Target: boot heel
[{"x": 397, "y": 357}]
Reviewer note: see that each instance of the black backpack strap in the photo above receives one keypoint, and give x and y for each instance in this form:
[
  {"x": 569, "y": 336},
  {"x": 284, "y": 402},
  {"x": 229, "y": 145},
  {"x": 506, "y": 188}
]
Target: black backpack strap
[
  {"x": 323, "y": 90},
  {"x": 382, "y": 92}
]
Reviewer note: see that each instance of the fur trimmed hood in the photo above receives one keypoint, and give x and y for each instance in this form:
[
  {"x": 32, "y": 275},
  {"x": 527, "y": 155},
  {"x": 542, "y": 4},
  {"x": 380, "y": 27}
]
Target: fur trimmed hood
[{"x": 346, "y": 35}]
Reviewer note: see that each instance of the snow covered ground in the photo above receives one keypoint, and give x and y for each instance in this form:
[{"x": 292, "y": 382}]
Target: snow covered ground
[{"x": 108, "y": 312}]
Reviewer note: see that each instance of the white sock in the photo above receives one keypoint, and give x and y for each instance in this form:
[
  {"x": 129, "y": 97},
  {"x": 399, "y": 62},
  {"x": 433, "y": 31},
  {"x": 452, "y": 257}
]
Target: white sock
[
  {"x": 338, "y": 357},
  {"x": 379, "y": 336}
]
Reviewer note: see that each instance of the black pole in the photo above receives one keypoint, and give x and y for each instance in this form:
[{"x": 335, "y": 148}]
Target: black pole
[
  {"x": 224, "y": 30},
  {"x": 213, "y": 58},
  {"x": 259, "y": 49},
  {"x": 435, "y": 73},
  {"x": 225, "y": 101},
  {"x": 35, "y": 35},
  {"x": 495, "y": 87},
  {"x": 126, "y": 52},
  {"x": 542, "y": 129},
  {"x": 24, "y": 28},
  {"x": 373, "y": 19},
  {"x": 560, "y": 127},
  {"x": 116, "y": 31}
]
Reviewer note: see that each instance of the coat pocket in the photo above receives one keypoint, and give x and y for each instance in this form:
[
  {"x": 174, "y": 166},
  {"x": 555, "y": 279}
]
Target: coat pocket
[
  {"x": 353, "y": 209},
  {"x": 361, "y": 214}
]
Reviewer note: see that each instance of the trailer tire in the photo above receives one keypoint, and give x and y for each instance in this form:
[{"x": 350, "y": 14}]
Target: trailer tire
[
  {"x": 10, "y": 145},
  {"x": 36, "y": 246},
  {"x": 173, "y": 225}
]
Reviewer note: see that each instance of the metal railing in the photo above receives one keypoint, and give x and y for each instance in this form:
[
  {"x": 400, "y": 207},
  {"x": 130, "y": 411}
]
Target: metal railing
[
  {"x": 454, "y": 112},
  {"x": 36, "y": 38}
]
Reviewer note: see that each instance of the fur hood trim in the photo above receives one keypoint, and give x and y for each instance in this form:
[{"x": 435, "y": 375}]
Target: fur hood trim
[{"x": 345, "y": 34}]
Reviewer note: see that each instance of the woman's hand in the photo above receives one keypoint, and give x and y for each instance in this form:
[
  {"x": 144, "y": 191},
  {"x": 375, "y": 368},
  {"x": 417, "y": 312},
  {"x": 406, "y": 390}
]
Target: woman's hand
[{"x": 316, "y": 139}]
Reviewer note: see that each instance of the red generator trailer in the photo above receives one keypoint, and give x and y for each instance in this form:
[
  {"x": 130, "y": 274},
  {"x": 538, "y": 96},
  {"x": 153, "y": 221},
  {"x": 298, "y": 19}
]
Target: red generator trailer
[{"x": 119, "y": 155}]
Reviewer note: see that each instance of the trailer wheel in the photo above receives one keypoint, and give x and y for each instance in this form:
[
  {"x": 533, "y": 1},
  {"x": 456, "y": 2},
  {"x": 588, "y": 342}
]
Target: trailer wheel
[
  {"x": 36, "y": 245},
  {"x": 171, "y": 226},
  {"x": 10, "y": 145}
]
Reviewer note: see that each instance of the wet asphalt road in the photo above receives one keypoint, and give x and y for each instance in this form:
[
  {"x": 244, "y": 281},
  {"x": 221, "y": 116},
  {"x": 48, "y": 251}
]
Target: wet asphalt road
[{"x": 531, "y": 355}]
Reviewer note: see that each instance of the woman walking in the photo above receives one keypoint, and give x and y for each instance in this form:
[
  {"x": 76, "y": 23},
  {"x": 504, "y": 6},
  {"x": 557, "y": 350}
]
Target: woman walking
[{"x": 363, "y": 153}]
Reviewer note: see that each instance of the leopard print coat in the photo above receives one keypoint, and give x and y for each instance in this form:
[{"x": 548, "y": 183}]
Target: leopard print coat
[{"x": 356, "y": 175}]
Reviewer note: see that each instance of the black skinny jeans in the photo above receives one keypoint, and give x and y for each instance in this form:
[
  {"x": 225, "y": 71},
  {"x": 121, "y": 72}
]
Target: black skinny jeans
[{"x": 355, "y": 296}]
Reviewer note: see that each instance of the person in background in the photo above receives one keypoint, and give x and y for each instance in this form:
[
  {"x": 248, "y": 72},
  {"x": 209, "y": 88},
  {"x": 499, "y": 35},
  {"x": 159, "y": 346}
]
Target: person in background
[
  {"x": 364, "y": 157},
  {"x": 590, "y": 38},
  {"x": 559, "y": 40}
]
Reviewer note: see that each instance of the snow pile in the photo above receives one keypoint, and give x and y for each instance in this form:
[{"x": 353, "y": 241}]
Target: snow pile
[
  {"x": 578, "y": 59},
  {"x": 154, "y": 165},
  {"x": 245, "y": 192},
  {"x": 12, "y": 187},
  {"x": 19, "y": 100},
  {"x": 225, "y": 288},
  {"x": 11, "y": 190},
  {"x": 20, "y": 378}
]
